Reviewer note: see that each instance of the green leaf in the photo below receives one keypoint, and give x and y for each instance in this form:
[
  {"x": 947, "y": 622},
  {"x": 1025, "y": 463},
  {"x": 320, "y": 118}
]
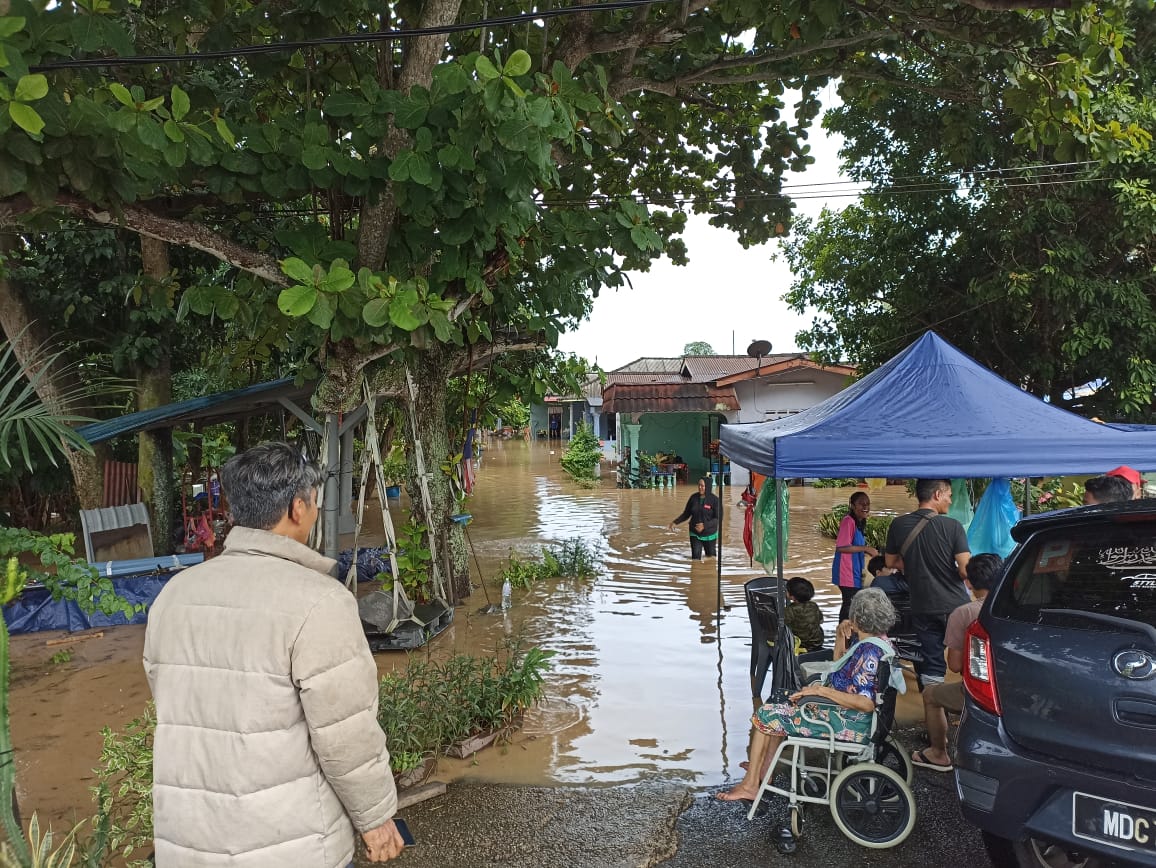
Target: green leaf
[
  {"x": 344, "y": 103},
  {"x": 452, "y": 78},
  {"x": 315, "y": 157},
  {"x": 376, "y": 312},
  {"x": 224, "y": 132},
  {"x": 441, "y": 325},
  {"x": 410, "y": 113},
  {"x": 518, "y": 64},
  {"x": 322, "y": 313},
  {"x": 153, "y": 104},
  {"x": 26, "y": 117},
  {"x": 516, "y": 133},
  {"x": 450, "y": 156},
  {"x": 173, "y": 131},
  {"x": 407, "y": 312},
  {"x": 31, "y": 88},
  {"x": 13, "y": 63},
  {"x": 338, "y": 279},
  {"x": 297, "y": 269},
  {"x": 297, "y": 300},
  {"x": 486, "y": 68},
  {"x": 122, "y": 95},
  {"x": 12, "y": 177},
  {"x": 151, "y": 134},
  {"x": 10, "y": 25},
  {"x": 180, "y": 101}
]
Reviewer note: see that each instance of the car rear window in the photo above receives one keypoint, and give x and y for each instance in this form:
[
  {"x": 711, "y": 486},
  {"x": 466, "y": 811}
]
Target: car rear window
[{"x": 1100, "y": 570}]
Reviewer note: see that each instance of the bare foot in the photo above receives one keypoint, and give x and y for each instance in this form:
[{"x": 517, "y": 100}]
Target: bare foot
[{"x": 738, "y": 794}]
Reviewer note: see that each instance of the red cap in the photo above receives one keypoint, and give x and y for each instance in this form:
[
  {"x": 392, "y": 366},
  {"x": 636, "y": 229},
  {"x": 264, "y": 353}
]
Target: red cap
[{"x": 1125, "y": 472}]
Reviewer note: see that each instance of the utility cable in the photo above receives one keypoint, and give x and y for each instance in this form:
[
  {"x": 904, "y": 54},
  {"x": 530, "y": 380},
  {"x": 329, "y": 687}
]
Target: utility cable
[{"x": 344, "y": 39}]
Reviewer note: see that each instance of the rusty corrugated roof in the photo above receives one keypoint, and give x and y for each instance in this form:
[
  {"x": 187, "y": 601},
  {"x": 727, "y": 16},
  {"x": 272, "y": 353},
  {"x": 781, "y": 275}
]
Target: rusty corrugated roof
[
  {"x": 639, "y": 378},
  {"x": 668, "y": 398}
]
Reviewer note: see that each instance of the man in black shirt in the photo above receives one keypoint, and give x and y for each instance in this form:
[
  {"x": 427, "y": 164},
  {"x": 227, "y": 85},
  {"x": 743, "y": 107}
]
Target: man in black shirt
[{"x": 932, "y": 551}]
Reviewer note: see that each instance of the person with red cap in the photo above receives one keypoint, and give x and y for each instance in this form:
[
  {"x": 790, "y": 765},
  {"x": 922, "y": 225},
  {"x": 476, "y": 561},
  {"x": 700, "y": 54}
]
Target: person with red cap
[{"x": 1133, "y": 477}]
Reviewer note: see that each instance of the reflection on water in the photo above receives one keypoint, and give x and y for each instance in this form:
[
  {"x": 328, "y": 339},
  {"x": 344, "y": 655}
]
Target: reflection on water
[
  {"x": 642, "y": 685},
  {"x": 655, "y": 692}
]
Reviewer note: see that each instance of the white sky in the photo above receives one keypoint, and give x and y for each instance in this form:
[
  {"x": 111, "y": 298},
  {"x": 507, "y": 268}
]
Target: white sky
[{"x": 723, "y": 288}]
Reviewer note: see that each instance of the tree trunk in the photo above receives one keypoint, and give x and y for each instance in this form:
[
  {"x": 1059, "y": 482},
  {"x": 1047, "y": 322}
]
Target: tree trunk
[
  {"x": 28, "y": 337},
  {"x": 155, "y": 389},
  {"x": 431, "y": 372}
]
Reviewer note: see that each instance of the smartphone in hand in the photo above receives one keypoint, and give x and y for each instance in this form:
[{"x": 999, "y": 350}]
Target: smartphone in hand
[{"x": 403, "y": 830}]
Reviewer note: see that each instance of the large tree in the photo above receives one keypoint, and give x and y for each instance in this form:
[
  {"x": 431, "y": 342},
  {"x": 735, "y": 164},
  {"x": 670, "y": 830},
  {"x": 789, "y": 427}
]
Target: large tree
[
  {"x": 418, "y": 203},
  {"x": 1031, "y": 254}
]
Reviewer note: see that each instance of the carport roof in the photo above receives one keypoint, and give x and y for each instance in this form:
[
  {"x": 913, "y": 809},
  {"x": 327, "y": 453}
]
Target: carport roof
[{"x": 220, "y": 407}]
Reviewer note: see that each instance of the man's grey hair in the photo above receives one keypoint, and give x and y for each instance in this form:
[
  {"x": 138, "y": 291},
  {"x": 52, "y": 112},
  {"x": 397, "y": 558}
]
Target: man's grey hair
[
  {"x": 872, "y": 612},
  {"x": 261, "y": 483}
]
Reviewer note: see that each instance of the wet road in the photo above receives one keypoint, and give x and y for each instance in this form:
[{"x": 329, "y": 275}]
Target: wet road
[{"x": 649, "y": 683}]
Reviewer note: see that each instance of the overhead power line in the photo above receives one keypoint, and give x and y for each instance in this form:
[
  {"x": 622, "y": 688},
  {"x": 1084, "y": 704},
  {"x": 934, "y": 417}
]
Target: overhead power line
[{"x": 344, "y": 39}]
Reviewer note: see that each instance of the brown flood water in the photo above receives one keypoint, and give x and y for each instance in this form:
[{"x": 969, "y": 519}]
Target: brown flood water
[{"x": 642, "y": 685}]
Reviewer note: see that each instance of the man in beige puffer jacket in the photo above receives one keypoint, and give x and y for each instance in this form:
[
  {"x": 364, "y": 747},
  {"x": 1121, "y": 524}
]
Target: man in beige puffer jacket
[{"x": 267, "y": 753}]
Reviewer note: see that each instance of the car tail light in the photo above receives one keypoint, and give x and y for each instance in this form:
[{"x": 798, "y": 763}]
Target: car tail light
[{"x": 979, "y": 669}]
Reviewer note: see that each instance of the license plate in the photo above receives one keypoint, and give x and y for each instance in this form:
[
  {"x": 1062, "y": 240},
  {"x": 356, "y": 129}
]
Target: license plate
[{"x": 1119, "y": 824}]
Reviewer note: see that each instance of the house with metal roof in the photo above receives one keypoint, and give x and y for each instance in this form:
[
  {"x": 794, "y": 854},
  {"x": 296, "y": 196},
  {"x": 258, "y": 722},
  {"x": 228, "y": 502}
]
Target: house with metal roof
[{"x": 674, "y": 406}]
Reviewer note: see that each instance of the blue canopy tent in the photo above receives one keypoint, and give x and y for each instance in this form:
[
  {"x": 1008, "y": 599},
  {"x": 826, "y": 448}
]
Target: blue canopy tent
[{"x": 932, "y": 411}]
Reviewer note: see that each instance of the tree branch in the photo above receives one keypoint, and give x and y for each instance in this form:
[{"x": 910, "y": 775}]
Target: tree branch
[
  {"x": 144, "y": 222},
  {"x": 1009, "y": 5},
  {"x": 710, "y": 74}
]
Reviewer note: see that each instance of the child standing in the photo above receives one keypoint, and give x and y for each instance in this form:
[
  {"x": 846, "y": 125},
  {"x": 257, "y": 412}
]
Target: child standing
[{"x": 803, "y": 615}]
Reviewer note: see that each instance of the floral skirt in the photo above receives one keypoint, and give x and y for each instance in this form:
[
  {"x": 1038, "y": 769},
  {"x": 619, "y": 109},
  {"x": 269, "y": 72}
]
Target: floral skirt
[{"x": 785, "y": 718}]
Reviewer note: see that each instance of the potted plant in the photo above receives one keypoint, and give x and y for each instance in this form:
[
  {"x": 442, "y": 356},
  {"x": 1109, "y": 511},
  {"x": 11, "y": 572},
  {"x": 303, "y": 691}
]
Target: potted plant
[{"x": 393, "y": 468}]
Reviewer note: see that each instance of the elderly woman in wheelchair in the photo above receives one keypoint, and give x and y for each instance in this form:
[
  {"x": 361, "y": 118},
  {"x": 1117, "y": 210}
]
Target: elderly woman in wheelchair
[{"x": 843, "y": 716}]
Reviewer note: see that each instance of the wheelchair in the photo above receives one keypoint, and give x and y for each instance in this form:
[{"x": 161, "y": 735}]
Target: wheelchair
[{"x": 866, "y": 786}]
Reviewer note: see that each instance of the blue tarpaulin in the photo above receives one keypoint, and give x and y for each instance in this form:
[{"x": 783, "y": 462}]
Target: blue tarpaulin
[
  {"x": 933, "y": 411},
  {"x": 35, "y": 610}
]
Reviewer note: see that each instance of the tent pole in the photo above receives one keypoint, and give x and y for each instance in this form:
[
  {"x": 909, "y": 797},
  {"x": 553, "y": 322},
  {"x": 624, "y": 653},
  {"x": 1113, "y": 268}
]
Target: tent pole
[
  {"x": 1027, "y": 495},
  {"x": 718, "y": 563},
  {"x": 781, "y": 594}
]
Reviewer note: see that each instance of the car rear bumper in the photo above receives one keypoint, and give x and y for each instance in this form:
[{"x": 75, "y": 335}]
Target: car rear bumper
[{"x": 1007, "y": 792}]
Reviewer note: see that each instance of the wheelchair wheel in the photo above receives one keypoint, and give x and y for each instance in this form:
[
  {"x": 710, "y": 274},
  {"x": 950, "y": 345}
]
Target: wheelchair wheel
[
  {"x": 798, "y": 821},
  {"x": 872, "y": 805},
  {"x": 891, "y": 754}
]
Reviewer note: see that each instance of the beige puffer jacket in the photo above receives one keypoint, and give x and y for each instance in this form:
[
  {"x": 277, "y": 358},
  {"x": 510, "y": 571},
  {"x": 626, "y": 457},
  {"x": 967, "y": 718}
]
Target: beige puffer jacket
[{"x": 267, "y": 742}]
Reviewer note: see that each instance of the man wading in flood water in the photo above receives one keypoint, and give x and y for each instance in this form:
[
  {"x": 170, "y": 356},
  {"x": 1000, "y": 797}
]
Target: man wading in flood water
[
  {"x": 704, "y": 511},
  {"x": 267, "y": 752}
]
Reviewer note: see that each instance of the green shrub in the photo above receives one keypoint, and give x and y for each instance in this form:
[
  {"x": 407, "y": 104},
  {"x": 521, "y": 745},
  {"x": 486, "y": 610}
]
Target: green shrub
[
  {"x": 582, "y": 455},
  {"x": 432, "y": 706},
  {"x": 877, "y": 526},
  {"x": 574, "y": 558},
  {"x": 835, "y": 483},
  {"x": 123, "y": 824}
]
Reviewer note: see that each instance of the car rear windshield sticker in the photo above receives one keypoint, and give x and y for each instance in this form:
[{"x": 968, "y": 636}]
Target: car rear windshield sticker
[
  {"x": 1054, "y": 557},
  {"x": 1127, "y": 557},
  {"x": 1142, "y": 582}
]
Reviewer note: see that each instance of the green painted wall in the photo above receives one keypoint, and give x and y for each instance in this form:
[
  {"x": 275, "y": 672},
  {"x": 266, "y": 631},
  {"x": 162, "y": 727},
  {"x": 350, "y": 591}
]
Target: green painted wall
[{"x": 677, "y": 433}]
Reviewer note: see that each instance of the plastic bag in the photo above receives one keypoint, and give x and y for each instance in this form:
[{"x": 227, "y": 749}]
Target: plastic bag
[
  {"x": 960, "y": 508},
  {"x": 765, "y": 539},
  {"x": 995, "y": 515}
]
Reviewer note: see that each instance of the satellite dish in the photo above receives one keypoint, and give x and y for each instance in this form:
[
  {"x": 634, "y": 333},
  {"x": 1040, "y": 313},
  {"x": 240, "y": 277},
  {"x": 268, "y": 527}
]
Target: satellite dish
[{"x": 758, "y": 349}]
